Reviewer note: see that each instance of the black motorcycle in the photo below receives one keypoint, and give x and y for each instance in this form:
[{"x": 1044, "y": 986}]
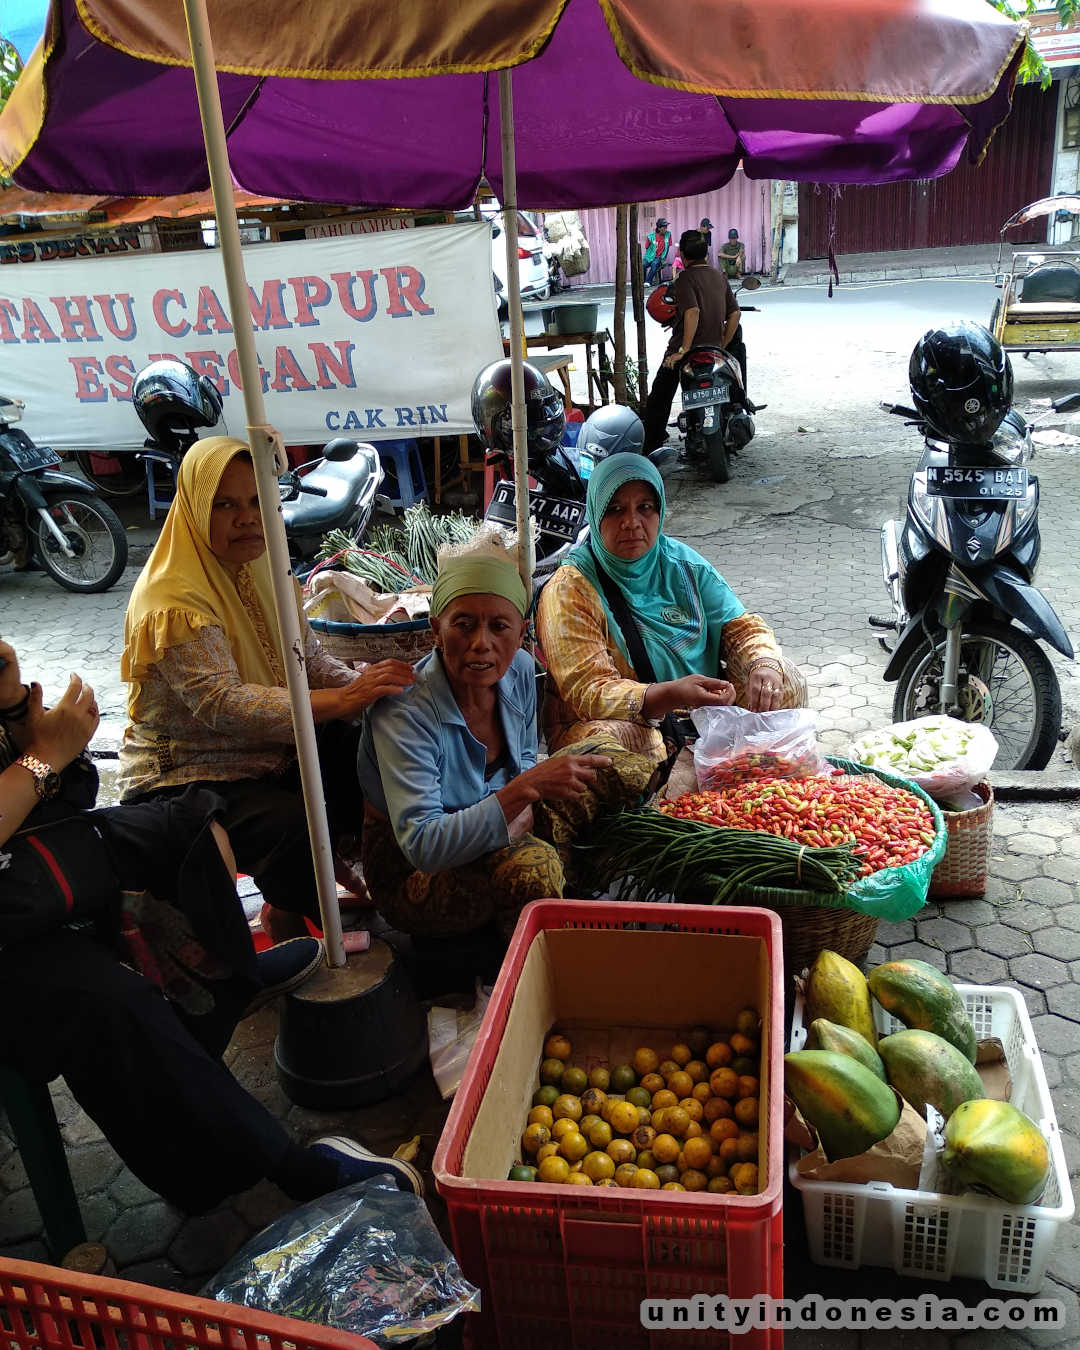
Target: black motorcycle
[
  {"x": 716, "y": 416},
  {"x": 960, "y": 570},
  {"x": 337, "y": 491},
  {"x": 53, "y": 519}
]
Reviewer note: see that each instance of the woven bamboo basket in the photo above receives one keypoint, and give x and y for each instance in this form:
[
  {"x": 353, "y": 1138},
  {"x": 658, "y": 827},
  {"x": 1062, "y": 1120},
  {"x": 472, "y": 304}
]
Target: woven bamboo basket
[
  {"x": 966, "y": 864},
  {"x": 375, "y": 641}
]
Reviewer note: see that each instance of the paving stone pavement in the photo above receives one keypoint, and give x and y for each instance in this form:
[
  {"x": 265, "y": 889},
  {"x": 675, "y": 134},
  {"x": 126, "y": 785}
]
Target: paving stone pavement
[{"x": 796, "y": 534}]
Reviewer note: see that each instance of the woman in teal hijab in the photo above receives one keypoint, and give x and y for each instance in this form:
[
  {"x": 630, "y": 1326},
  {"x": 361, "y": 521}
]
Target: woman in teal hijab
[{"x": 688, "y": 618}]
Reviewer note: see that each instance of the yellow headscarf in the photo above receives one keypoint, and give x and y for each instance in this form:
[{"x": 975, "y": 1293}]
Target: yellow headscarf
[{"x": 185, "y": 587}]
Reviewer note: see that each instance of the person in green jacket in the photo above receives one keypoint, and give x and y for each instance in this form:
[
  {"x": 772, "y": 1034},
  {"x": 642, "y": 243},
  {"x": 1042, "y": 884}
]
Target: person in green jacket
[{"x": 657, "y": 250}]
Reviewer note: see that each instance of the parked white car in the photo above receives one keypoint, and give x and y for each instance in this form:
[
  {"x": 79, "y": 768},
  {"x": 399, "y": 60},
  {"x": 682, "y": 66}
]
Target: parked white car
[{"x": 532, "y": 258}]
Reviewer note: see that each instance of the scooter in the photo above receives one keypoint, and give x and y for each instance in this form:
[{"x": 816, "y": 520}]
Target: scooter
[
  {"x": 960, "y": 570},
  {"x": 52, "y": 518},
  {"x": 557, "y": 503},
  {"x": 716, "y": 416},
  {"x": 337, "y": 491}
]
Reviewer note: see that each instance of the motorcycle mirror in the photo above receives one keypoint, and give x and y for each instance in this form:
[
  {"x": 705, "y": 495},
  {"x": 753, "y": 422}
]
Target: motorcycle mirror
[
  {"x": 340, "y": 449},
  {"x": 1067, "y": 404},
  {"x": 750, "y": 283}
]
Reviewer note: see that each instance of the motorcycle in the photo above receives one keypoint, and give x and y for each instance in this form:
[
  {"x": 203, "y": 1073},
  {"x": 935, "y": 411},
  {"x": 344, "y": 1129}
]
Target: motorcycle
[
  {"x": 557, "y": 503},
  {"x": 337, "y": 491},
  {"x": 52, "y": 518},
  {"x": 960, "y": 570},
  {"x": 716, "y": 416}
]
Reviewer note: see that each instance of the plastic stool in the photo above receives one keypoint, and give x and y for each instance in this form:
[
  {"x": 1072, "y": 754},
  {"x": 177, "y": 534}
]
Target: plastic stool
[
  {"x": 155, "y": 501},
  {"x": 408, "y": 471},
  {"x": 33, "y": 1123}
]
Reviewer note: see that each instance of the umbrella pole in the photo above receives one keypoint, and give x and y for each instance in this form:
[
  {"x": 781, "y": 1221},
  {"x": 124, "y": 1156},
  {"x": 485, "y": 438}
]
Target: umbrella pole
[
  {"x": 517, "y": 332},
  {"x": 268, "y": 456}
]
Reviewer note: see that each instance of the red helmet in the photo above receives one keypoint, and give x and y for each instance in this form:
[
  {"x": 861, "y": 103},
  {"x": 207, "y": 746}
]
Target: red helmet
[{"x": 661, "y": 304}]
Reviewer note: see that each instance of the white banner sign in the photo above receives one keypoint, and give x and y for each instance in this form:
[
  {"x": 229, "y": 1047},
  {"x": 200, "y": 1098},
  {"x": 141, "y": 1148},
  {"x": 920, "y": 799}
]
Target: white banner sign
[{"x": 376, "y": 336}]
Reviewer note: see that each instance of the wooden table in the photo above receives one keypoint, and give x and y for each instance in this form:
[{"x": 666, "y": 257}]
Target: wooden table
[{"x": 598, "y": 372}]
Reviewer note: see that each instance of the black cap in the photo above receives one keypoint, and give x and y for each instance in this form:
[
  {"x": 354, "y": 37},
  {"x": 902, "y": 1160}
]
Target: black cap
[
  {"x": 706, "y": 223},
  {"x": 733, "y": 233},
  {"x": 662, "y": 224}
]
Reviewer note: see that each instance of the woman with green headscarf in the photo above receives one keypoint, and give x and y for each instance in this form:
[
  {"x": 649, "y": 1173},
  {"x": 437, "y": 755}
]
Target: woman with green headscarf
[
  {"x": 688, "y": 618},
  {"x": 462, "y": 825}
]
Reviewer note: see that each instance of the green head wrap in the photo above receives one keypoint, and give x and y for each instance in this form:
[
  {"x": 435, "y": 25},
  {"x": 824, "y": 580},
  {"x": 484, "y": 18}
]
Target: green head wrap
[{"x": 478, "y": 574}]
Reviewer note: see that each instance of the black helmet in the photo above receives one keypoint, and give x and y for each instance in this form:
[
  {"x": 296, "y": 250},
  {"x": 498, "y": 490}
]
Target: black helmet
[
  {"x": 611, "y": 430},
  {"x": 491, "y": 410},
  {"x": 172, "y": 402},
  {"x": 961, "y": 382}
]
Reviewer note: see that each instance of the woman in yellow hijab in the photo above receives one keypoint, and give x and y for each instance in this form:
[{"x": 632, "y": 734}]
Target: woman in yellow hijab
[{"x": 207, "y": 700}]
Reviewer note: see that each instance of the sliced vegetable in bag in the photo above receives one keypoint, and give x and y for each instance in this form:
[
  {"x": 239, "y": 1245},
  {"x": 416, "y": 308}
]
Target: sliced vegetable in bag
[{"x": 943, "y": 755}]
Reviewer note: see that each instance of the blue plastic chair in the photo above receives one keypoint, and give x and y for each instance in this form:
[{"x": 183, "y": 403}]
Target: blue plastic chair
[{"x": 408, "y": 471}]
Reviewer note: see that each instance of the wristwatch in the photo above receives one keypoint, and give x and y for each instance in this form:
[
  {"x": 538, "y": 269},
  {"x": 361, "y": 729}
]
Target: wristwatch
[{"x": 46, "y": 779}]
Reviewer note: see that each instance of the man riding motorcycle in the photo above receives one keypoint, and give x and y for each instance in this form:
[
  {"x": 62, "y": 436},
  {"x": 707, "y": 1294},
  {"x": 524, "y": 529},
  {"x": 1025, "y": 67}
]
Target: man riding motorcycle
[{"x": 706, "y": 314}]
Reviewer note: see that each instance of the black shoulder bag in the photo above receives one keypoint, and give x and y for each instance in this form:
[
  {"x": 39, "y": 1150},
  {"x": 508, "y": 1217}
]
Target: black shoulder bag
[{"x": 675, "y": 730}]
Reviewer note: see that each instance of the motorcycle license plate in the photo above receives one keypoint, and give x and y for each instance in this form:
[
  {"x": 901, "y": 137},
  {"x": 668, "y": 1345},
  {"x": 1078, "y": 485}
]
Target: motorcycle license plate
[
  {"x": 554, "y": 515},
  {"x": 992, "y": 485},
  {"x": 28, "y": 456},
  {"x": 700, "y": 398}
]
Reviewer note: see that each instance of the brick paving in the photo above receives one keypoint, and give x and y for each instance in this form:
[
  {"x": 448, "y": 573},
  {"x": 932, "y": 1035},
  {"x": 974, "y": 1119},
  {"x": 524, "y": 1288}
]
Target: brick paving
[{"x": 796, "y": 534}]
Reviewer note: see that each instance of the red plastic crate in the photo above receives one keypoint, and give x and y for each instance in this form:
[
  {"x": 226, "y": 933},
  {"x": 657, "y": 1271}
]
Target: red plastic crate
[
  {"x": 47, "y": 1308},
  {"x": 576, "y": 1262}
]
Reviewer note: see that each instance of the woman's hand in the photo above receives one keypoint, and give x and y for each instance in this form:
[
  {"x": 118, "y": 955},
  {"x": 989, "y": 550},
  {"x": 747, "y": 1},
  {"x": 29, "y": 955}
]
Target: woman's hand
[
  {"x": 64, "y": 731},
  {"x": 11, "y": 689},
  {"x": 559, "y": 778},
  {"x": 376, "y": 682},
  {"x": 764, "y": 689},
  {"x": 692, "y": 691},
  {"x": 563, "y": 777}
]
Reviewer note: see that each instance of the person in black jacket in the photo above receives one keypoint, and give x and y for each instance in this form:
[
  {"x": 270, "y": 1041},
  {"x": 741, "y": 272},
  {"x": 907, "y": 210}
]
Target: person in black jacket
[{"x": 131, "y": 984}]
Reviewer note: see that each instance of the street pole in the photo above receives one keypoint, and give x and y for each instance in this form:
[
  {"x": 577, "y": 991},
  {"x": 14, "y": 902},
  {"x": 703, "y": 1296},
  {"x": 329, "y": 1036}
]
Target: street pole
[
  {"x": 268, "y": 457},
  {"x": 619, "y": 380},
  {"x": 517, "y": 333}
]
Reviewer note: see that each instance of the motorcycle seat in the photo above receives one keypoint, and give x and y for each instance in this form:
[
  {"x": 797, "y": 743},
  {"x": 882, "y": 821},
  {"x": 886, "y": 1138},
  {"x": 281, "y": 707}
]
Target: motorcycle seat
[{"x": 344, "y": 485}]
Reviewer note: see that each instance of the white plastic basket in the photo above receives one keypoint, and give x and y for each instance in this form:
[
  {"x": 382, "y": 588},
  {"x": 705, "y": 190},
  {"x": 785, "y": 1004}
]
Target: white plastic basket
[{"x": 940, "y": 1237}]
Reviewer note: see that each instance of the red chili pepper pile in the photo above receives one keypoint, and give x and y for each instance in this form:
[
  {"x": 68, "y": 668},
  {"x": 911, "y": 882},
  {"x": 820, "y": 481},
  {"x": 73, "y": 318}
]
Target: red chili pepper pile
[
  {"x": 888, "y": 826},
  {"x": 758, "y": 764}
]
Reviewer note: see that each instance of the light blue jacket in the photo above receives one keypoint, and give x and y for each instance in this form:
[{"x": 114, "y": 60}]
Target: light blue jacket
[{"x": 421, "y": 766}]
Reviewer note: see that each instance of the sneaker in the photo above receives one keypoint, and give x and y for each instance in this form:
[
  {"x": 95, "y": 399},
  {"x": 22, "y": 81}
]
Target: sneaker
[
  {"x": 357, "y": 1163},
  {"x": 285, "y": 967}
]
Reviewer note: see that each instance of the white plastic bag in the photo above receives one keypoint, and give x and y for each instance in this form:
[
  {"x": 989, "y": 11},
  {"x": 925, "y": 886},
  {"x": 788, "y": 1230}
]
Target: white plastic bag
[
  {"x": 735, "y": 745},
  {"x": 942, "y": 755},
  {"x": 451, "y": 1034}
]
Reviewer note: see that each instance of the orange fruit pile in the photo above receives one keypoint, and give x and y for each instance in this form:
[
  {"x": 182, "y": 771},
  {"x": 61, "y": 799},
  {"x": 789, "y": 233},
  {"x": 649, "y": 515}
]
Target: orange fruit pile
[{"x": 681, "y": 1119}]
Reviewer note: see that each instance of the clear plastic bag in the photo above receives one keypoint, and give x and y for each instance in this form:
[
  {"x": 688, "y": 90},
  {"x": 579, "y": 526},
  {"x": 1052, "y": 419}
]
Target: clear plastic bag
[
  {"x": 451, "y": 1034},
  {"x": 365, "y": 1259},
  {"x": 943, "y": 755},
  {"x": 735, "y": 745}
]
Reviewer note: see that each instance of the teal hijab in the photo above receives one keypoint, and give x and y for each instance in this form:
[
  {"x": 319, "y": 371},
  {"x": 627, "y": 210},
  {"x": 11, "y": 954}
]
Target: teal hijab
[{"x": 665, "y": 588}]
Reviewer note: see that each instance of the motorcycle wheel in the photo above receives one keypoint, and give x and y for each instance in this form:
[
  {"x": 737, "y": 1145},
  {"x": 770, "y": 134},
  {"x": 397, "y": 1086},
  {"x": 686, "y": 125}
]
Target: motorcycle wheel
[
  {"x": 127, "y": 483},
  {"x": 96, "y": 535},
  {"x": 1006, "y": 680},
  {"x": 716, "y": 456}
]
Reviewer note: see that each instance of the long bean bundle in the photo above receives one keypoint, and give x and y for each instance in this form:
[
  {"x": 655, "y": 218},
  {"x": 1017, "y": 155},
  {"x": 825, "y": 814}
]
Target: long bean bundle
[
  {"x": 398, "y": 557},
  {"x": 653, "y": 855}
]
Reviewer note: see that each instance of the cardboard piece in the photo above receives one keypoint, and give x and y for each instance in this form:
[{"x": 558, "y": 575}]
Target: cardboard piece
[
  {"x": 896, "y": 1159},
  {"x": 611, "y": 991}
]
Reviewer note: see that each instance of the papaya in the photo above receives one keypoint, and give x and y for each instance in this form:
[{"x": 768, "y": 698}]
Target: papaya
[
  {"x": 837, "y": 991},
  {"x": 993, "y": 1145},
  {"x": 825, "y": 1035},
  {"x": 850, "y": 1108},
  {"x": 920, "y": 996},
  {"x": 925, "y": 1068}
]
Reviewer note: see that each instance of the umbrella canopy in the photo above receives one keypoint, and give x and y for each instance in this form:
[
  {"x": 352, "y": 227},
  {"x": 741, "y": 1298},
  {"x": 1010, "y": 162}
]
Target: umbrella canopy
[
  {"x": 1045, "y": 206},
  {"x": 616, "y": 100}
]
